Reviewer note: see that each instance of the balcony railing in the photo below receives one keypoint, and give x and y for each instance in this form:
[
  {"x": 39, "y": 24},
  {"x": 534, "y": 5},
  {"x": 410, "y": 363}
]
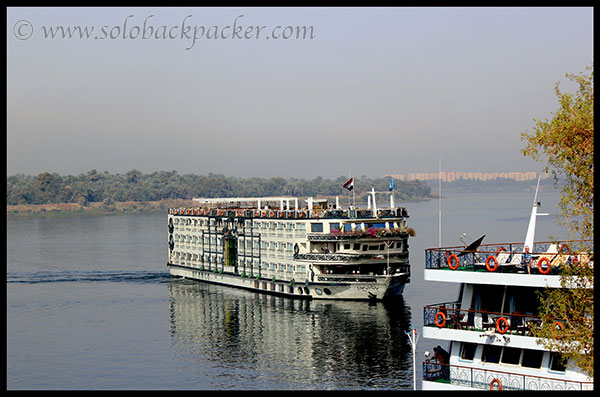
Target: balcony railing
[
  {"x": 387, "y": 234},
  {"x": 348, "y": 258},
  {"x": 448, "y": 315},
  {"x": 547, "y": 257},
  {"x": 480, "y": 378}
]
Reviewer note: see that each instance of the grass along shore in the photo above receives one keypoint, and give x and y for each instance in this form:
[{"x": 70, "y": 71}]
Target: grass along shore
[{"x": 98, "y": 208}]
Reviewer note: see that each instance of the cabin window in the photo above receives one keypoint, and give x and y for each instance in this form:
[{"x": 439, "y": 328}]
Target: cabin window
[
  {"x": 511, "y": 355},
  {"x": 532, "y": 358},
  {"x": 347, "y": 227},
  {"x": 316, "y": 227},
  {"x": 491, "y": 354},
  {"x": 557, "y": 363},
  {"x": 467, "y": 351},
  {"x": 356, "y": 247},
  {"x": 334, "y": 226},
  {"x": 346, "y": 246}
]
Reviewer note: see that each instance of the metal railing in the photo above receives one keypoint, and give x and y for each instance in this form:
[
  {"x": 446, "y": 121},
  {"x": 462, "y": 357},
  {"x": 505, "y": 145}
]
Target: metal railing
[
  {"x": 505, "y": 257},
  {"x": 448, "y": 315},
  {"x": 481, "y": 378}
]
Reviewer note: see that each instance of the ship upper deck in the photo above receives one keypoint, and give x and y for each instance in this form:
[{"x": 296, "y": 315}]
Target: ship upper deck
[
  {"x": 285, "y": 208},
  {"x": 502, "y": 264}
]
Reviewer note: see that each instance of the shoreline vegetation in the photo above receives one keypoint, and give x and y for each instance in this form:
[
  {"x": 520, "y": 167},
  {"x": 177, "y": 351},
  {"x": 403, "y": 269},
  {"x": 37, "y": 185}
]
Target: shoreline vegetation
[
  {"x": 99, "y": 193},
  {"x": 95, "y": 193},
  {"x": 98, "y": 208}
]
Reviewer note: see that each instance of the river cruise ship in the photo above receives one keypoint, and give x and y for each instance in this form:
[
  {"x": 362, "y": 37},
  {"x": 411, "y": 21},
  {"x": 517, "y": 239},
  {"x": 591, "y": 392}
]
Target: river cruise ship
[
  {"x": 488, "y": 328},
  {"x": 310, "y": 249}
]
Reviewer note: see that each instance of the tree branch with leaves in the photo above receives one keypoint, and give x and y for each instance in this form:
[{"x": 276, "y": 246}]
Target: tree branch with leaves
[{"x": 566, "y": 144}]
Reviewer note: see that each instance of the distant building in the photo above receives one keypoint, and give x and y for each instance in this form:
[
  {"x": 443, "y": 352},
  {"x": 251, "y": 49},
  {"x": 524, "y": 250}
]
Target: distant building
[{"x": 449, "y": 176}]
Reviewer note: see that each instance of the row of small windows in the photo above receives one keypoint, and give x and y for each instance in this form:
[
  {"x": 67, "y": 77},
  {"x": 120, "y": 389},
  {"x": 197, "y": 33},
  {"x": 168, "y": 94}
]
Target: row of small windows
[
  {"x": 265, "y": 266},
  {"x": 370, "y": 247},
  {"x": 511, "y": 355},
  {"x": 315, "y": 227},
  {"x": 201, "y": 222}
]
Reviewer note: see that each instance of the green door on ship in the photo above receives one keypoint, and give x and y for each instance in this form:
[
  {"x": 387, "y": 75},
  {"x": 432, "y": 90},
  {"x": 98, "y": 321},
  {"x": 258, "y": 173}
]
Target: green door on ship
[{"x": 231, "y": 253}]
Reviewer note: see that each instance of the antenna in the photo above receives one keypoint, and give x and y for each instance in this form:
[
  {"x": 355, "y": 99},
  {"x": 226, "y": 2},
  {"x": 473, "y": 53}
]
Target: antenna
[{"x": 440, "y": 203}]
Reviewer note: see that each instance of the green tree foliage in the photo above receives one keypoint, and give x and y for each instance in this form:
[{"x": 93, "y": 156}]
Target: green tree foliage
[
  {"x": 566, "y": 144},
  {"x": 137, "y": 186}
]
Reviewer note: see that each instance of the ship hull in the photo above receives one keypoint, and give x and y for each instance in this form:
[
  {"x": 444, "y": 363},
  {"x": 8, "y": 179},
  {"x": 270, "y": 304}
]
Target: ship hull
[{"x": 330, "y": 287}]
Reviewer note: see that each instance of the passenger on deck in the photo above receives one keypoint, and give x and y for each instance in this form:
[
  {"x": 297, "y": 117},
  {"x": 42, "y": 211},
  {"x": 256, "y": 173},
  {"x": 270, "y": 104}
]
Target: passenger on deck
[
  {"x": 526, "y": 259},
  {"x": 443, "y": 357}
]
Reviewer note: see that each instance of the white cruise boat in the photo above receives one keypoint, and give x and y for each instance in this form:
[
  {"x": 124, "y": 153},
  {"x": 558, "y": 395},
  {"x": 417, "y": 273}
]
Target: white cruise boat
[
  {"x": 271, "y": 245},
  {"x": 490, "y": 345}
]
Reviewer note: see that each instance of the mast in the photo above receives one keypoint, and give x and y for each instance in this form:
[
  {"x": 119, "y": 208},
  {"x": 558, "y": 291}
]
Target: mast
[
  {"x": 440, "y": 203},
  {"x": 529, "y": 237}
]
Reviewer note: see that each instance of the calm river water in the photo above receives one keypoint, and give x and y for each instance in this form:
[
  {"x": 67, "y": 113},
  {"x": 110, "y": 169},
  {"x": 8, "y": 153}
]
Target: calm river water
[{"x": 90, "y": 305}]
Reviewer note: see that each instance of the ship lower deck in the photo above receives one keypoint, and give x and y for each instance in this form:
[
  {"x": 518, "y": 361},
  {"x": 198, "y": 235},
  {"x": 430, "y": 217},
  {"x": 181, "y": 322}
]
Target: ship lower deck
[{"x": 334, "y": 287}]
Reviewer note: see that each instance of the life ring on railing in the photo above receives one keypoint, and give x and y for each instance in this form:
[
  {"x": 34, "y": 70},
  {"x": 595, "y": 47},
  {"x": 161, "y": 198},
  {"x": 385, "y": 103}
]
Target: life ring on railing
[
  {"x": 564, "y": 246},
  {"x": 271, "y": 214},
  {"x": 487, "y": 263},
  {"x": 500, "y": 249},
  {"x": 557, "y": 325},
  {"x": 496, "y": 380},
  {"x": 540, "y": 265},
  {"x": 440, "y": 325},
  {"x": 499, "y": 328},
  {"x": 450, "y": 260}
]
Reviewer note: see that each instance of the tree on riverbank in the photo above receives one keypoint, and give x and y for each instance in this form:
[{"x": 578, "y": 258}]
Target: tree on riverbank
[
  {"x": 134, "y": 185},
  {"x": 566, "y": 144}
]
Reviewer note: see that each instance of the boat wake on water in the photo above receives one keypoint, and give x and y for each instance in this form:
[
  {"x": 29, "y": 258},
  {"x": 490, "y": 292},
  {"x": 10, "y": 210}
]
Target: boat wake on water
[{"x": 87, "y": 276}]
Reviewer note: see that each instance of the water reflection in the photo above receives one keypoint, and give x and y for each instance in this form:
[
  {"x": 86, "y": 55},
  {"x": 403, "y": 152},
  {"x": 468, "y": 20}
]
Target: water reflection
[{"x": 230, "y": 338}]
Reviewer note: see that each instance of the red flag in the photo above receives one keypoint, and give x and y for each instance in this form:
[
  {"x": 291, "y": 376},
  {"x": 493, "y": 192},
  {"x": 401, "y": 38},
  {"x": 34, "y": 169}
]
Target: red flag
[{"x": 349, "y": 184}]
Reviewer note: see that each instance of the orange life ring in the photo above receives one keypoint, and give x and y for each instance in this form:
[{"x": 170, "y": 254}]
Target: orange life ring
[
  {"x": 453, "y": 256},
  {"x": 487, "y": 263},
  {"x": 500, "y": 249},
  {"x": 271, "y": 213},
  {"x": 499, "y": 328},
  {"x": 495, "y": 380},
  {"x": 559, "y": 325},
  {"x": 564, "y": 246},
  {"x": 440, "y": 325},
  {"x": 540, "y": 265}
]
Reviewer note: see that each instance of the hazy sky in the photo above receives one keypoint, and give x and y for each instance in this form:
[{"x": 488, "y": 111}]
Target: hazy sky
[{"x": 374, "y": 91}]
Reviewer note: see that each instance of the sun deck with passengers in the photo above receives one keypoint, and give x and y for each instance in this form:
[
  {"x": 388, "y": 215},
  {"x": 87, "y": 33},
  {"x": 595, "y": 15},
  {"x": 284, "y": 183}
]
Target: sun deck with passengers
[{"x": 273, "y": 245}]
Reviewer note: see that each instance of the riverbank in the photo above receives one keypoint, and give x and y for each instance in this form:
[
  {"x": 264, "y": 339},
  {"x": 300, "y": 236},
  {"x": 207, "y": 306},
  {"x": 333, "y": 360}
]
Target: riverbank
[{"x": 125, "y": 207}]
